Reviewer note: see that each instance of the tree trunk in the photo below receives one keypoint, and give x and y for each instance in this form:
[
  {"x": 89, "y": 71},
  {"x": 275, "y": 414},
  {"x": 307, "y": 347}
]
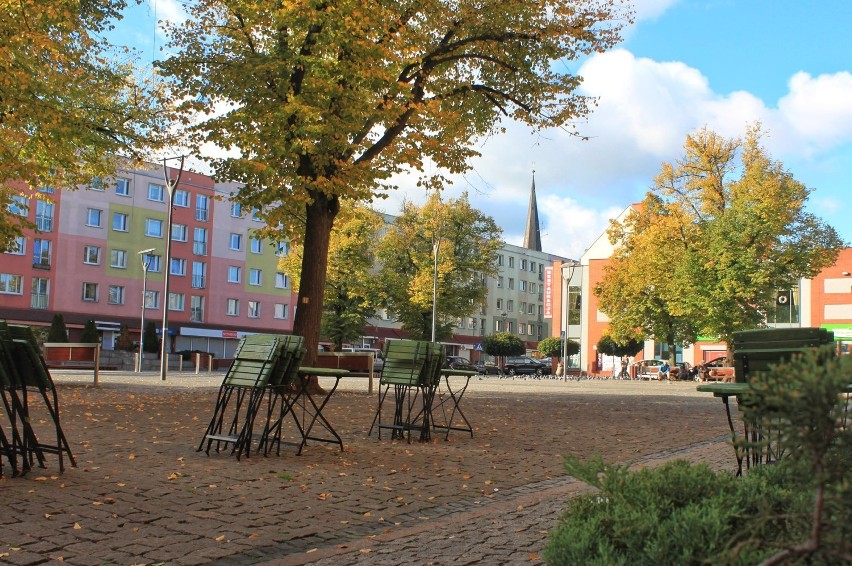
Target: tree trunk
[{"x": 320, "y": 215}]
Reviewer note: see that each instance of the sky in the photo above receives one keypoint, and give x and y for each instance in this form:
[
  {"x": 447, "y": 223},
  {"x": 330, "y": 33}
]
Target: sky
[{"x": 683, "y": 65}]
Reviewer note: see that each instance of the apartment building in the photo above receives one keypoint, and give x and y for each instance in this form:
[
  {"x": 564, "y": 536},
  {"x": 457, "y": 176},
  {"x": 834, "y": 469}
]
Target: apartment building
[{"x": 87, "y": 258}]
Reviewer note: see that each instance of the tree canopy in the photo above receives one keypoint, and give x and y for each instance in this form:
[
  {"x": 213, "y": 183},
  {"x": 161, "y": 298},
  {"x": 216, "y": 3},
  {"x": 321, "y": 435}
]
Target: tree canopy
[
  {"x": 351, "y": 288},
  {"x": 467, "y": 242},
  {"x": 552, "y": 347},
  {"x": 503, "y": 344},
  {"x": 722, "y": 231},
  {"x": 70, "y": 103},
  {"x": 320, "y": 100}
]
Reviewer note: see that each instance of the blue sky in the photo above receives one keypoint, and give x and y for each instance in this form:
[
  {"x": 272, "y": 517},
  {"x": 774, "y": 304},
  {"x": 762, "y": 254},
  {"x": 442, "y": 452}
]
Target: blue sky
[{"x": 684, "y": 65}]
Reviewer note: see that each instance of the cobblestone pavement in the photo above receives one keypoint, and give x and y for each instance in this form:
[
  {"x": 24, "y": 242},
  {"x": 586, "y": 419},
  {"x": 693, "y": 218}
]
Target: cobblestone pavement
[{"x": 142, "y": 494}]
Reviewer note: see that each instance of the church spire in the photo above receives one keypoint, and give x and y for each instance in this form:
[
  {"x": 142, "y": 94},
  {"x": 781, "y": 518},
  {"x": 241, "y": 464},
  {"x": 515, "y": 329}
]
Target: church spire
[{"x": 532, "y": 235}]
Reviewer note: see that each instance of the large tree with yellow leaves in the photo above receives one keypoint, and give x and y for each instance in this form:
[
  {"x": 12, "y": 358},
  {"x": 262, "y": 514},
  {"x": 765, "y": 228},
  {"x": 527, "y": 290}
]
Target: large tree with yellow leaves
[
  {"x": 70, "y": 104},
  {"x": 324, "y": 100}
]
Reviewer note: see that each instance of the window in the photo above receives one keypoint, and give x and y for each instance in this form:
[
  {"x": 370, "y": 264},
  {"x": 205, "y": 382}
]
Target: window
[
  {"x": 177, "y": 301},
  {"x": 255, "y": 277},
  {"x": 235, "y": 241},
  {"x": 255, "y": 245},
  {"x": 236, "y": 210},
  {"x": 510, "y": 305},
  {"x": 19, "y": 246},
  {"x": 155, "y": 192},
  {"x": 39, "y": 296},
  {"x": 97, "y": 184},
  {"x": 523, "y": 286},
  {"x": 499, "y": 304},
  {"x": 181, "y": 198},
  {"x": 90, "y": 292},
  {"x": 153, "y": 228},
  {"x": 523, "y": 265},
  {"x": 511, "y": 283},
  {"x": 499, "y": 280},
  {"x": 122, "y": 187},
  {"x": 199, "y": 272},
  {"x": 93, "y": 217},
  {"x": 532, "y": 266},
  {"x": 46, "y": 190},
  {"x": 152, "y": 299},
  {"x": 511, "y": 261},
  {"x": 281, "y": 249},
  {"x": 11, "y": 284},
  {"x": 254, "y": 309},
  {"x": 533, "y": 287},
  {"x": 153, "y": 262},
  {"x": 44, "y": 216},
  {"x": 500, "y": 259},
  {"x": 91, "y": 255},
  {"x": 509, "y": 326},
  {"x": 233, "y": 274},
  {"x": 531, "y": 309},
  {"x": 255, "y": 215},
  {"x": 199, "y": 241},
  {"x": 472, "y": 323},
  {"x": 233, "y": 307},
  {"x": 19, "y": 205},
  {"x": 196, "y": 308},
  {"x": 281, "y": 280},
  {"x": 118, "y": 259},
  {"x": 498, "y": 325},
  {"x": 522, "y": 328},
  {"x": 119, "y": 222},
  {"x": 522, "y": 307},
  {"x": 202, "y": 207},
  {"x": 281, "y": 310},
  {"x": 116, "y": 295},
  {"x": 178, "y": 266},
  {"x": 179, "y": 232},
  {"x": 41, "y": 253}
]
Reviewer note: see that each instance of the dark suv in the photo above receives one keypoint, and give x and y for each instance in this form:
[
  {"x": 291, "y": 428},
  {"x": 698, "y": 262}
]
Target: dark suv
[{"x": 516, "y": 365}]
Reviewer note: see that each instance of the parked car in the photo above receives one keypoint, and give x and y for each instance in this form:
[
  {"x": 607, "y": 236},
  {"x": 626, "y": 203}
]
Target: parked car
[
  {"x": 378, "y": 361},
  {"x": 487, "y": 368},
  {"x": 458, "y": 362},
  {"x": 516, "y": 365}
]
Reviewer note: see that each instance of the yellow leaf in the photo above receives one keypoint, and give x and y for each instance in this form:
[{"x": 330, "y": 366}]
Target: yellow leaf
[
  {"x": 220, "y": 538},
  {"x": 77, "y": 526}
]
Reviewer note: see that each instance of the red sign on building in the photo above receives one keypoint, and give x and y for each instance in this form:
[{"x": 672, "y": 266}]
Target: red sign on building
[{"x": 548, "y": 292}]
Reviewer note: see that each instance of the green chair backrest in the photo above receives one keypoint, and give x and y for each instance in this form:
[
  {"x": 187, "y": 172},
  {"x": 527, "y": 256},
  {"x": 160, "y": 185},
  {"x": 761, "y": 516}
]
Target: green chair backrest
[
  {"x": 756, "y": 350},
  {"x": 436, "y": 356},
  {"x": 8, "y": 371},
  {"x": 287, "y": 368},
  {"x": 254, "y": 361},
  {"x": 31, "y": 369},
  {"x": 404, "y": 361}
]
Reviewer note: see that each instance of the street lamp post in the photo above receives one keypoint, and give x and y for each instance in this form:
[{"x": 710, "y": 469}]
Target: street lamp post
[
  {"x": 145, "y": 256},
  {"x": 170, "y": 188},
  {"x": 435, "y": 247}
]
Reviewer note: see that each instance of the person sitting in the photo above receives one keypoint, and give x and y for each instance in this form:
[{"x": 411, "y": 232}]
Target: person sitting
[{"x": 664, "y": 370}]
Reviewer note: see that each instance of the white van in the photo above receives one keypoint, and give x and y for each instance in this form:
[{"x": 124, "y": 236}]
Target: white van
[{"x": 379, "y": 360}]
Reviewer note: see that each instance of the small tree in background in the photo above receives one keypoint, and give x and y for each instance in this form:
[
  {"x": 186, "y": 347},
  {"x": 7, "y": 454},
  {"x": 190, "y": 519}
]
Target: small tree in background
[
  {"x": 58, "y": 332},
  {"x": 551, "y": 347},
  {"x": 124, "y": 342},
  {"x": 90, "y": 333},
  {"x": 150, "y": 340},
  {"x": 503, "y": 344}
]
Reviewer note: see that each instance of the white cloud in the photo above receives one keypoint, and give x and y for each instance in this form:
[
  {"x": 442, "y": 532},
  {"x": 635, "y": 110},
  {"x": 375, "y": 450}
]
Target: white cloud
[
  {"x": 819, "y": 109},
  {"x": 168, "y": 10},
  {"x": 647, "y": 10}
]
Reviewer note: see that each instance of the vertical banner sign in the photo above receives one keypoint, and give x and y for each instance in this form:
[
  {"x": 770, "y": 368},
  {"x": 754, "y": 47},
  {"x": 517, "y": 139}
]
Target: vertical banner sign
[{"x": 548, "y": 292}]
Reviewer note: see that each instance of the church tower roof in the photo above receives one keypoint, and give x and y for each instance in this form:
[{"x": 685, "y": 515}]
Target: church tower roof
[{"x": 532, "y": 235}]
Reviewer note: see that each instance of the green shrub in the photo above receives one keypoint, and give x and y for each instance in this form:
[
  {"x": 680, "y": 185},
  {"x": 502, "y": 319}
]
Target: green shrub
[
  {"x": 90, "y": 333},
  {"x": 796, "y": 511},
  {"x": 58, "y": 331}
]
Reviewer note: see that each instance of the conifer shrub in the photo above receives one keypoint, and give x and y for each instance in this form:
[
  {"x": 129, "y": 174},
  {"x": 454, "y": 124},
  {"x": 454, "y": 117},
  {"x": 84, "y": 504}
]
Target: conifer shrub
[
  {"x": 58, "y": 331},
  {"x": 797, "y": 510},
  {"x": 90, "y": 333}
]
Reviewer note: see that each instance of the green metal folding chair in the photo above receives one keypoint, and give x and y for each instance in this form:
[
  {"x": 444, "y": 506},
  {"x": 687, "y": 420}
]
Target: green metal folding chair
[
  {"x": 241, "y": 394},
  {"x": 34, "y": 376},
  {"x": 403, "y": 371}
]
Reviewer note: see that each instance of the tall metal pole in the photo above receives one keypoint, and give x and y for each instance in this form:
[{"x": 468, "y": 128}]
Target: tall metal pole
[
  {"x": 170, "y": 188},
  {"x": 146, "y": 263},
  {"x": 435, "y": 247}
]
